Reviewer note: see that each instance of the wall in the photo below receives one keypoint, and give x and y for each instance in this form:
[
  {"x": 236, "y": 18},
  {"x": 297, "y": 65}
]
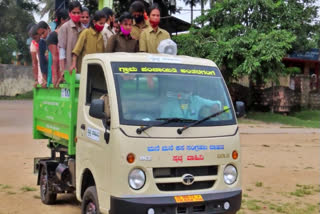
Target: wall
[
  {"x": 314, "y": 99},
  {"x": 15, "y": 79},
  {"x": 293, "y": 93}
]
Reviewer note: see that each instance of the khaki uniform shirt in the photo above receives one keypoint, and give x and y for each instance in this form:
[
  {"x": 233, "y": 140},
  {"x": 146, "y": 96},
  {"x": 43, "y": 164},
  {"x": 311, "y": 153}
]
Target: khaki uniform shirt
[
  {"x": 90, "y": 41},
  {"x": 150, "y": 40},
  {"x": 107, "y": 32},
  {"x": 67, "y": 38},
  {"x": 136, "y": 30},
  {"x": 119, "y": 43}
]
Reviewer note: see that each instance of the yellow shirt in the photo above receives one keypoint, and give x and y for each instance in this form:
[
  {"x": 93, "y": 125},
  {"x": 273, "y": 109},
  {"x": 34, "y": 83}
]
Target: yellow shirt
[
  {"x": 150, "y": 40},
  {"x": 89, "y": 41},
  {"x": 136, "y": 30}
]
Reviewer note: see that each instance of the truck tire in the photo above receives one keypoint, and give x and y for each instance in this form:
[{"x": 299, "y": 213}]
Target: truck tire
[
  {"x": 47, "y": 197},
  {"x": 90, "y": 203}
]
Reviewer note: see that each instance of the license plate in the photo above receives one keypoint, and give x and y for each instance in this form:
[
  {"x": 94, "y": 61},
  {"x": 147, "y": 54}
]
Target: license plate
[{"x": 188, "y": 198}]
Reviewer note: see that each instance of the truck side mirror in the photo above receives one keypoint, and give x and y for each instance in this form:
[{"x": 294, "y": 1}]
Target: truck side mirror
[
  {"x": 240, "y": 109},
  {"x": 97, "y": 109}
]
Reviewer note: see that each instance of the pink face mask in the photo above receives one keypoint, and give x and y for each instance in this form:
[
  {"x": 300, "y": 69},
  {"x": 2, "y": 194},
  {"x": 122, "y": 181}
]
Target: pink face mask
[
  {"x": 125, "y": 32},
  {"x": 75, "y": 18}
]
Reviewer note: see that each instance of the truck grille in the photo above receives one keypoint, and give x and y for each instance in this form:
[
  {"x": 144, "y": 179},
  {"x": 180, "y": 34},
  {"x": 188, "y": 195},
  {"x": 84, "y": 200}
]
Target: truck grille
[
  {"x": 181, "y": 186},
  {"x": 180, "y": 171},
  {"x": 170, "y": 179}
]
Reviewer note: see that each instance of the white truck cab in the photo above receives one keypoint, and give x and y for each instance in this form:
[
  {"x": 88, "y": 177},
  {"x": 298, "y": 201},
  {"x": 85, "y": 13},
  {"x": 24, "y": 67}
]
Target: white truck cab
[{"x": 155, "y": 134}]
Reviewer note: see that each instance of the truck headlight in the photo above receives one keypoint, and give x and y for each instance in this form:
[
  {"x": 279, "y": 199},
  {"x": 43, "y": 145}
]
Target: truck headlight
[
  {"x": 137, "y": 179},
  {"x": 230, "y": 174}
]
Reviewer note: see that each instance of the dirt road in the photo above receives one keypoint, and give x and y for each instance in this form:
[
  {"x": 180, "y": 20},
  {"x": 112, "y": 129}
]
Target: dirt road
[{"x": 280, "y": 171}]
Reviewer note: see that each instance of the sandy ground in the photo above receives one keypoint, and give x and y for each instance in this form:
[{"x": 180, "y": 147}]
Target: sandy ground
[{"x": 280, "y": 167}]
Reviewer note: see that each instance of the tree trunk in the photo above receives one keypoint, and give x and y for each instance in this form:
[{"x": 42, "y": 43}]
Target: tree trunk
[
  {"x": 192, "y": 13},
  {"x": 202, "y": 11}
]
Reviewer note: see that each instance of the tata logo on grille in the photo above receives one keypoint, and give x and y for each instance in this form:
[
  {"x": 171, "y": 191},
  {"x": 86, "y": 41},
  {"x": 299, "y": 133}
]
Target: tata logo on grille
[{"x": 187, "y": 179}]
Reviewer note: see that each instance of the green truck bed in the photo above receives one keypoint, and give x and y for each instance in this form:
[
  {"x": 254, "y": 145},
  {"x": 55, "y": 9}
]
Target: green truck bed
[{"x": 55, "y": 113}]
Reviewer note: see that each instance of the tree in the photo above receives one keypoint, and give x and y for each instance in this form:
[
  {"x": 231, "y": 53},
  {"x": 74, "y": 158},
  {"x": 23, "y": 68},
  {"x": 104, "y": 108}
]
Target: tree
[
  {"x": 166, "y": 6},
  {"x": 251, "y": 37},
  {"x": 192, "y": 4},
  {"x": 92, "y": 5},
  {"x": 8, "y": 45},
  {"x": 49, "y": 7},
  {"x": 15, "y": 16}
]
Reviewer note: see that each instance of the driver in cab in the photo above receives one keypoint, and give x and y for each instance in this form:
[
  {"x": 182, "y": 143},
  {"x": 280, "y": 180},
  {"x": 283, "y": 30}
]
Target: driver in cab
[{"x": 186, "y": 105}]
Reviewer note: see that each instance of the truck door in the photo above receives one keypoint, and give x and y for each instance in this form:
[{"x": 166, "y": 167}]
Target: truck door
[{"x": 92, "y": 149}]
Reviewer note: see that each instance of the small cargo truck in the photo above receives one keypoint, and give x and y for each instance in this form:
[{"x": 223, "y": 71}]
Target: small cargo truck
[{"x": 141, "y": 133}]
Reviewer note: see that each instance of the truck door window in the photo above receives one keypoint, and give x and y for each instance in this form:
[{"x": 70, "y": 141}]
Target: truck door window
[{"x": 96, "y": 83}]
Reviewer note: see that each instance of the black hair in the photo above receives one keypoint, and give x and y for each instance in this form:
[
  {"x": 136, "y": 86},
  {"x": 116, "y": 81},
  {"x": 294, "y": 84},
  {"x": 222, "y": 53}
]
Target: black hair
[
  {"x": 29, "y": 26},
  {"x": 125, "y": 15},
  {"x": 61, "y": 14},
  {"x": 74, "y": 4},
  {"x": 137, "y": 6},
  {"x": 85, "y": 9},
  {"x": 108, "y": 12},
  {"x": 97, "y": 16},
  {"x": 153, "y": 7},
  {"x": 42, "y": 25},
  {"x": 33, "y": 31}
]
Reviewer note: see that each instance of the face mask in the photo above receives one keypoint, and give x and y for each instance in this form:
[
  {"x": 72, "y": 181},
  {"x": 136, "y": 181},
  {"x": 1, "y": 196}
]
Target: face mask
[
  {"x": 139, "y": 19},
  {"x": 125, "y": 32},
  {"x": 154, "y": 24},
  {"x": 98, "y": 28},
  {"x": 74, "y": 18}
]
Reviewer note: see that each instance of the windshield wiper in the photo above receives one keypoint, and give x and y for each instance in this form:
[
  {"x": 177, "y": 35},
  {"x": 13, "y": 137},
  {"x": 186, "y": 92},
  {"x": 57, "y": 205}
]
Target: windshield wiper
[
  {"x": 202, "y": 120},
  {"x": 166, "y": 121}
]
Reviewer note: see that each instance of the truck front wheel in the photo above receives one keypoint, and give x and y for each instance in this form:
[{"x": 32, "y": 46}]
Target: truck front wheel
[
  {"x": 90, "y": 204},
  {"x": 47, "y": 197}
]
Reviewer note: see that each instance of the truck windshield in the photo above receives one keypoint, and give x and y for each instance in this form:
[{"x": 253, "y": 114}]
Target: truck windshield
[{"x": 149, "y": 91}]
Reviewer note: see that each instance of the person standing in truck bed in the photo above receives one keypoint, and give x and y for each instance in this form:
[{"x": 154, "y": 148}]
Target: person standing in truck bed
[
  {"x": 123, "y": 42},
  {"x": 68, "y": 36},
  {"x": 151, "y": 37},
  {"x": 90, "y": 40},
  {"x": 137, "y": 10}
]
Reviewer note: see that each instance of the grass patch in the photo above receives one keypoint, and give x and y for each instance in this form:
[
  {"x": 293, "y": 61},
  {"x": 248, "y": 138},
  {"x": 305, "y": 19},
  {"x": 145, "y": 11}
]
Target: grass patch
[
  {"x": 309, "y": 119},
  {"x": 36, "y": 197},
  {"x": 309, "y": 167},
  {"x": 312, "y": 115},
  {"x": 5, "y": 186},
  {"x": 259, "y": 184},
  {"x": 288, "y": 208},
  {"x": 27, "y": 189},
  {"x": 257, "y": 165},
  {"x": 11, "y": 193},
  {"x": 25, "y": 96},
  {"x": 251, "y": 205},
  {"x": 303, "y": 190},
  {"x": 249, "y": 189}
]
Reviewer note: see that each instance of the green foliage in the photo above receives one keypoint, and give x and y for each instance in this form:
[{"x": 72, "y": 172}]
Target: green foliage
[
  {"x": 259, "y": 184},
  {"x": 92, "y": 5},
  {"x": 27, "y": 189},
  {"x": 15, "y": 16},
  {"x": 303, "y": 190},
  {"x": 7, "y": 46},
  {"x": 299, "y": 119},
  {"x": 251, "y": 37}
]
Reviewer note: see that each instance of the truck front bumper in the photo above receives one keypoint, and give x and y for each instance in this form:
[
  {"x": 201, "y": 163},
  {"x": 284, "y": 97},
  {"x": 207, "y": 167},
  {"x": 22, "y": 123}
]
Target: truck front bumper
[{"x": 213, "y": 203}]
